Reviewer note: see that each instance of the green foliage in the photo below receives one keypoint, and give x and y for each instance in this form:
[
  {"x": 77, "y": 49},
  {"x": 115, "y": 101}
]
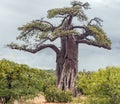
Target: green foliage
[
  {"x": 75, "y": 10},
  {"x": 64, "y": 96},
  {"x": 95, "y": 100},
  {"x": 102, "y": 87},
  {"x": 36, "y": 24},
  {"x": 50, "y": 94},
  {"x": 59, "y": 96},
  {"x": 18, "y": 81},
  {"x": 60, "y": 32},
  {"x": 42, "y": 30},
  {"x": 82, "y": 5},
  {"x": 63, "y": 11},
  {"x": 99, "y": 35},
  {"x": 36, "y": 33}
]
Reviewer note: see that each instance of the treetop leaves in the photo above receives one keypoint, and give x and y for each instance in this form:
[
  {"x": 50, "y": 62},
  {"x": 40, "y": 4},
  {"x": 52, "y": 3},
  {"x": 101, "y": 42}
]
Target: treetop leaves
[{"x": 99, "y": 35}]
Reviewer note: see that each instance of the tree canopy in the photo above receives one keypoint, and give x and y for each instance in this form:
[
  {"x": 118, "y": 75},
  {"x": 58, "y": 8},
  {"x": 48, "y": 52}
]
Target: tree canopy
[{"x": 89, "y": 31}]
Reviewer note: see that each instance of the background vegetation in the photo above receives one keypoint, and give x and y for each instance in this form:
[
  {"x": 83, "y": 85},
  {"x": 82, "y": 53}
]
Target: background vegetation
[
  {"x": 20, "y": 81},
  {"x": 101, "y": 87}
]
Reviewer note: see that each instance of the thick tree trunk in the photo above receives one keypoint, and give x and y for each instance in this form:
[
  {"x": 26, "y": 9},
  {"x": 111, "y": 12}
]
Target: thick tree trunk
[{"x": 67, "y": 65}]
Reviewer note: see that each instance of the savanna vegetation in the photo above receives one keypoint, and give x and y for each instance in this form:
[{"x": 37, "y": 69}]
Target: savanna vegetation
[
  {"x": 19, "y": 81},
  {"x": 100, "y": 87}
]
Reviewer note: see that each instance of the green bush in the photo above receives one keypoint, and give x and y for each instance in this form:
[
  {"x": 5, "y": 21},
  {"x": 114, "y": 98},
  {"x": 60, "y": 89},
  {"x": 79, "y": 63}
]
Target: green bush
[
  {"x": 63, "y": 96},
  {"x": 53, "y": 95},
  {"x": 48, "y": 82},
  {"x": 50, "y": 94},
  {"x": 101, "y": 87},
  {"x": 18, "y": 80},
  {"x": 95, "y": 100}
]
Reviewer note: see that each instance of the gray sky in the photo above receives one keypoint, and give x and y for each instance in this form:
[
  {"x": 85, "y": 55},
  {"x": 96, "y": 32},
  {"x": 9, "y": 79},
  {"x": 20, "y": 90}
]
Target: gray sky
[{"x": 14, "y": 13}]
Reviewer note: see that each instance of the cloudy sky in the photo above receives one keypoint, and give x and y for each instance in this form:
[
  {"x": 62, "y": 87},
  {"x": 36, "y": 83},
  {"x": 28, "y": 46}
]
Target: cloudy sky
[{"x": 14, "y": 13}]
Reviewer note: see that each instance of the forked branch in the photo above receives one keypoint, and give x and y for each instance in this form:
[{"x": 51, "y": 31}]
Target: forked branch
[{"x": 97, "y": 20}]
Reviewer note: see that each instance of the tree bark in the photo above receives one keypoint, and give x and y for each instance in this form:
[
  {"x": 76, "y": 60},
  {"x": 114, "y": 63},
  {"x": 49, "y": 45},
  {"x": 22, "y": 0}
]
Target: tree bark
[{"x": 67, "y": 65}]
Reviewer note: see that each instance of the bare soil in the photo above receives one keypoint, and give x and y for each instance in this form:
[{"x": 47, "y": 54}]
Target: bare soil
[
  {"x": 37, "y": 100},
  {"x": 41, "y": 100}
]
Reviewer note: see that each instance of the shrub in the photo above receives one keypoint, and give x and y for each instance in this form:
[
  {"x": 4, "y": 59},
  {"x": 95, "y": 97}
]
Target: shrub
[
  {"x": 53, "y": 95},
  {"x": 18, "y": 81},
  {"x": 101, "y": 87},
  {"x": 50, "y": 94},
  {"x": 95, "y": 100},
  {"x": 63, "y": 96}
]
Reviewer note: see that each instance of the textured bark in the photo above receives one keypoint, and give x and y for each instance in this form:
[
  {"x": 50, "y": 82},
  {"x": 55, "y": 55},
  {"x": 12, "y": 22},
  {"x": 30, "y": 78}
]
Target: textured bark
[{"x": 67, "y": 65}]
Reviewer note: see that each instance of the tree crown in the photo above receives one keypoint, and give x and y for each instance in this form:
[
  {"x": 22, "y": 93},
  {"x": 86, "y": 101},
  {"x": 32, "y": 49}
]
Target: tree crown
[{"x": 42, "y": 30}]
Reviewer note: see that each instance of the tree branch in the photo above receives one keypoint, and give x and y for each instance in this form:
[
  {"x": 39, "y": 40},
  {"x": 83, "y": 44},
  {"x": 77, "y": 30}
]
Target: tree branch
[
  {"x": 88, "y": 42},
  {"x": 24, "y": 33},
  {"x": 97, "y": 20},
  {"x": 38, "y": 48},
  {"x": 63, "y": 21},
  {"x": 49, "y": 24},
  {"x": 70, "y": 20},
  {"x": 78, "y": 27},
  {"x": 51, "y": 39},
  {"x": 81, "y": 36}
]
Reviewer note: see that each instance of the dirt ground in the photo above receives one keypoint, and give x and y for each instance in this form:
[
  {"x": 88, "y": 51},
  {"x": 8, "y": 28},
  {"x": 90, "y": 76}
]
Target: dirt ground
[
  {"x": 37, "y": 100},
  {"x": 41, "y": 100}
]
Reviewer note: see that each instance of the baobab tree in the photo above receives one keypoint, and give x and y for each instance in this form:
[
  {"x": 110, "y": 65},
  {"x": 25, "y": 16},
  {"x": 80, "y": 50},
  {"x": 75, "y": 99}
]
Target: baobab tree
[{"x": 43, "y": 33}]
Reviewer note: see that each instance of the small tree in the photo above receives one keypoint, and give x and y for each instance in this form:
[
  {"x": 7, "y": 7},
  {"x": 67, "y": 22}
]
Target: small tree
[{"x": 88, "y": 32}]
